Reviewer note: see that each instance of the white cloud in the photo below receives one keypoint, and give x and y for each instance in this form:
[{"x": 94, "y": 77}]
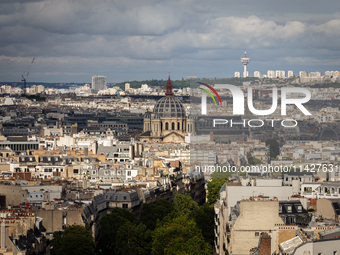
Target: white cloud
[
  {"x": 331, "y": 27},
  {"x": 254, "y": 27}
]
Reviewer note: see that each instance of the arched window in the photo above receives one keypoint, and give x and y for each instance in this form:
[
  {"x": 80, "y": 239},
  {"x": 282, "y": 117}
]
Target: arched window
[
  {"x": 173, "y": 126},
  {"x": 166, "y": 126}
]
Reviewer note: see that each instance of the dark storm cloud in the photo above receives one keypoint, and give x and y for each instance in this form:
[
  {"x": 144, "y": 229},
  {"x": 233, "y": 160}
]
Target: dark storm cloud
[{"x": 74, "y": 39}]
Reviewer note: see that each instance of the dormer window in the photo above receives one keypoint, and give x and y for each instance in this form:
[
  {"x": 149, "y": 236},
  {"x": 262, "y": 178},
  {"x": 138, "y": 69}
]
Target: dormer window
[
  {"x": 289, "y": 208},
  {"x": 299, "y": 208}
]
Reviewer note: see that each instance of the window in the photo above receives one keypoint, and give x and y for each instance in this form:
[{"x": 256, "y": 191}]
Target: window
[
  {"x": 31, "y": 159},
  {"x": 289, "y": 208},
  {"x": 125, "y": 206},
  {"x": 124, "y": 197},
  {"x": 128, "y": 173},
  {"x": 280, "y": 209},
  {"x": 299, "y": 208},
  {"x": 257, "y": 234},
  {"x": 75, "y": 171}
]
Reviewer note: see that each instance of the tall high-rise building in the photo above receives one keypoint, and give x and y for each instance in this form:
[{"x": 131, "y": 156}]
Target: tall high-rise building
[
  {"x": 127, "y": 86},
  {"x": 280, "y": 74},
  {"x": 257, "y": 74},
  {"x": 98, "y": 82},
  {"x": 245, "y": 61},
  {"x": 303, "y": 74},
  {"x": 271, "y": 74},
  {"x": 290, "y": 74}
]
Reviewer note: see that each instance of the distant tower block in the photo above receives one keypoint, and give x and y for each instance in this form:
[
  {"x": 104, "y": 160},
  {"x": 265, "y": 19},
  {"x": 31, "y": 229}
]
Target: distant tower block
[{"x": 245, "y": 61}]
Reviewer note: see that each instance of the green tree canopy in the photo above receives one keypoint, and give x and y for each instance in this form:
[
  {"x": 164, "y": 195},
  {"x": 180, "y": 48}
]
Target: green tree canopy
[
  {"x": 184, "y": 204},
  {"x": 74, "y": 240},
  {"x": 109, "y": 226},
  {"x": 133, "y": 239},
  {"x": 204, "y": 218},
  {"x": 153, "y": 211},
  {"x": 213, "y": 188},
  {"x": 274, "y": 147},
  {"x": 179, "y": 236}
]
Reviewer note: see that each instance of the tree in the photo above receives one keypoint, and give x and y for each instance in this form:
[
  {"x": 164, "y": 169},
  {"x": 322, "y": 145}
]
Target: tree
[
  {"x": 257, "y": 161},
  {"x": 221, "y": 174},
  {"x": 109, "y": 226},
  {"x": 153, "y": 211},
  {"x": 274, "y": 147},
  {"x": 213, "y": 188},
  {"x": 74, "y": 240},
  {"x": 184, "y": 204},
  {"x": 133, "y": 239},
  {"x": 204, "y": 218},
  {"x": 179, "y": 236}
]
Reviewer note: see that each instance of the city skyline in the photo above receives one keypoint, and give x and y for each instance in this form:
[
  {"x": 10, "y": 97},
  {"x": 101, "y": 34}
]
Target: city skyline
[{"x": 72, "y": 41}]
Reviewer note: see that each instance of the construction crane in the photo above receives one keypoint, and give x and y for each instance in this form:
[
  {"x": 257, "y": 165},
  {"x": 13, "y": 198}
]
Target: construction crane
[{"x": 25, "y": 75}]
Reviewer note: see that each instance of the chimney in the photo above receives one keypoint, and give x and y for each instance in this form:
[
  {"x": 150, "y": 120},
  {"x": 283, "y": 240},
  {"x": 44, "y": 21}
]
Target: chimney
[
  {"x": 265, "y": 244},
  {"x": 211, "y": 136}
]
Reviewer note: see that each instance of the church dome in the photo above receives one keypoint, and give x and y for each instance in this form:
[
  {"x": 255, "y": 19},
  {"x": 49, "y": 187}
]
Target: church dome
[
  {"x": 328, "y": 134},
  {"x": 169, "y": 106}
]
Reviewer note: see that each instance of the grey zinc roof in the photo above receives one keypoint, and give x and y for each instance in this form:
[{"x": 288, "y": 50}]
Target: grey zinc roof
[
  {"x": 121, "y": 196},
  {"x": 35, "y": 196}
]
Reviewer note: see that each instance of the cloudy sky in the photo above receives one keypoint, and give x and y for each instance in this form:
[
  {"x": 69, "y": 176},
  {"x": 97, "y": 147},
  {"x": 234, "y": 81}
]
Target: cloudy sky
[{"x": 145, "y": 39}]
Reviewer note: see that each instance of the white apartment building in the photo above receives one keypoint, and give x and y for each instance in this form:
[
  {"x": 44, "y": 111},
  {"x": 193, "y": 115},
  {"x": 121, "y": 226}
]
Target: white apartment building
[
  {"x": 271, "y": 74},
  {"x": 290, "y": 74},
  {"x": 303, "y": 74},
  {"x": 332, "y": 74},
  {"x": 98, "y": 82},
  {"x": 314, "y": 74},
  {"x": 257, "y": 74},
  {"x": 127, "y": 86},
  {"x": 237, "y": 75},
  {"x": 280, "y": 74}
]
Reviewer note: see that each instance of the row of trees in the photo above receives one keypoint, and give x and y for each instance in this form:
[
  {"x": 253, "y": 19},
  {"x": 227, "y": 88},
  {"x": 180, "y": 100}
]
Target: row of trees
[
  {"x": 163, "y": 227},
  {"x": 182, "y": 227},
  {"x": 186, "y": 82}
]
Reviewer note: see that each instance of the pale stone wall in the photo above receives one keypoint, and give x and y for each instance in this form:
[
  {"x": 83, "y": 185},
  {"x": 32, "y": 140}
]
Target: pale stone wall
[
  {"x": 255, "y": 217},
  {"x": 324, "y": 207}
]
